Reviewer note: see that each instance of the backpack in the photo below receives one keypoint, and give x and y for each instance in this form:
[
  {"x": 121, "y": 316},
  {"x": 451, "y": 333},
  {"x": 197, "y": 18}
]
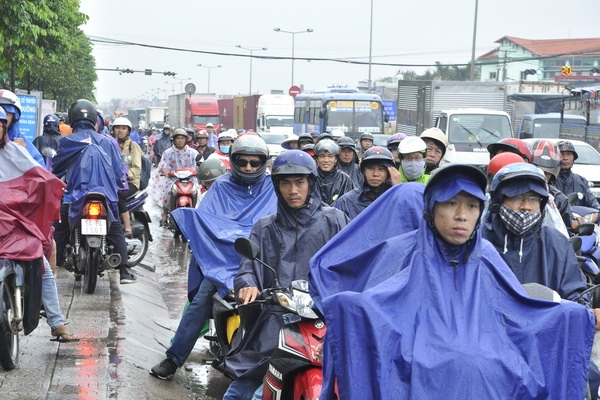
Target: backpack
[{"x": 146, "y": 170}]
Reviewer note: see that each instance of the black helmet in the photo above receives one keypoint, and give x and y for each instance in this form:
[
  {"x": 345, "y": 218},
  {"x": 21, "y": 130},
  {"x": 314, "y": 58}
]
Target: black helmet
[
  {"x": 252, "y": 145},
  {"x": 565, "y": 145},
  {"x": 210, "y": 170},
  {"x": 517, "y": 177},
  {"x": 82, "y": 109},
  {"x": 346, "y": 142},
  {"x": 51, "y": 120},
  {"x": 294, "y": 162},
  {"x": 366, "y": 136},
  {"x": 377, "y": 155},
  {"x": 60, "y": 116},
  {"x": 325, "y": 135},
  {"x": 546, "y": 156},
  {"x": 304, "y": 138}
]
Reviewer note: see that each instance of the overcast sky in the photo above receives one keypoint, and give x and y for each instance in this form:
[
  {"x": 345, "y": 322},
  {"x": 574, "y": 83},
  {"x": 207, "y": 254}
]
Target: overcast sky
[{"x": 404, "y": 32}]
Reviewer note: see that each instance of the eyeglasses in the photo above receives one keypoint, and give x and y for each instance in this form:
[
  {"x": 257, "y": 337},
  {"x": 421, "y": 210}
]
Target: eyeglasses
[
  {"x": 241, "y": 162},
  {"x": 520, "y": 198},
  {"x": 413, "y": 158}
]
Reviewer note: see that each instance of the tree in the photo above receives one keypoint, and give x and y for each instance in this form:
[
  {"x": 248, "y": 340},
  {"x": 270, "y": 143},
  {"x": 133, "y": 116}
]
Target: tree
[{"x": 32, "y": 30}]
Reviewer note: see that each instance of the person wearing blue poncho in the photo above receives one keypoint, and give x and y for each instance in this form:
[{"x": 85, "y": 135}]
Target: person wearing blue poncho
[
  {"x": 233, "y": 204},
  {"x": 437, "y": 313}
]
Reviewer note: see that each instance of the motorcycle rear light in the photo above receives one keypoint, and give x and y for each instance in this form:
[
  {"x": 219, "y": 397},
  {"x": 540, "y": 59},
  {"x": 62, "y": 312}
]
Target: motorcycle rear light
[{"x": 94, "y": 210}]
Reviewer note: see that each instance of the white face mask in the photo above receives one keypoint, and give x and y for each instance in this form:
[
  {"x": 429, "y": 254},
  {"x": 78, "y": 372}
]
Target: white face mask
[{"x": 413, "y": 169}]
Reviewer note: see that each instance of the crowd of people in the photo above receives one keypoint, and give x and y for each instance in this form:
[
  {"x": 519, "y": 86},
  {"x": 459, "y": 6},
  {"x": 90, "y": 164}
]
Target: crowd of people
[{"x": 421, "y": 290}]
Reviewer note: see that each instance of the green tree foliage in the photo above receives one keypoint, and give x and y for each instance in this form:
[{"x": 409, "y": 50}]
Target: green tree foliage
[{"x": 40, "y": 40}]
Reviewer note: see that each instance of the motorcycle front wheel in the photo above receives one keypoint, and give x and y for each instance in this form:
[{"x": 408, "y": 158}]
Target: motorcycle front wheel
[
  {"x": 90, "y": 275},
  {"x": 9, "y": 335}
]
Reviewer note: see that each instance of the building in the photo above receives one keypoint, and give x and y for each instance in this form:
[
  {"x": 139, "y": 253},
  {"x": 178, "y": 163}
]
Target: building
[{"x": 574, "y": 62}]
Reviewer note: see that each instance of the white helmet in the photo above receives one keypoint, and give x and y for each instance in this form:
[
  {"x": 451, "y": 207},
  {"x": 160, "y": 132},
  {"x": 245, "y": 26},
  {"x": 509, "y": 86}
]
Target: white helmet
[
  {"x": 412, "y": 144},
  {"x": 10, "y": 103},
  {"x": 122, "y": 121},
  {"x": 232, "y": 132},
  {"x": 227, "y": 135},
  {"x": 337, "y": 133}
]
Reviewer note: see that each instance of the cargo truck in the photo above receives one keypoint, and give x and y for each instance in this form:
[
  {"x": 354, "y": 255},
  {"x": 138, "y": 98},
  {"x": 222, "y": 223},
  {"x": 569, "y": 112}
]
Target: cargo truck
[
  {"x": 471, "y": 114},
  {"x": 155, "y": 117},
  {"x": 134, "y": 116},
  {"x": 275, "y": 114},
  {"x": 193, "y": 111}
]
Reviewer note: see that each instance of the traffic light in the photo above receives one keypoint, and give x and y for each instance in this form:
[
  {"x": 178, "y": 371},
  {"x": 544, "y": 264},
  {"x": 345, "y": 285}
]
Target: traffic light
[
  {"x": 126, "y": 71},
  {"x": 169, "y": 73},
  {"x": 529, "y": 72}
]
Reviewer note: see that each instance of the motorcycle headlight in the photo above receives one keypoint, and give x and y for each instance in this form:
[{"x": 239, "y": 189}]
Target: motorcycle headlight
[
  {"x": 304, "y": 304},
  {"x": 285, "y": 301}
]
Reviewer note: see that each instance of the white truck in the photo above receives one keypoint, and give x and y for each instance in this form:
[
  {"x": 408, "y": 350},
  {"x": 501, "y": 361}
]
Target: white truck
[
  {"x": 275, "y": 114},
  {"x": 471, "y": 114},
  {"x": 155, "y": 117}
]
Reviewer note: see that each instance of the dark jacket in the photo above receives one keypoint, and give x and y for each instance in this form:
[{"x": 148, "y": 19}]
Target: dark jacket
[
  {"x": 542, "y": 255},
  {"x": 161, "y": 145},
  {"x": 353, "y": 171},
  {"x": 356, "y": 200},
  {"x": 203, "y": 155},
  {"x": 287, "y": 240},
  {"x": 569, "y": 182},
  {"x": 333, "y": 184}
]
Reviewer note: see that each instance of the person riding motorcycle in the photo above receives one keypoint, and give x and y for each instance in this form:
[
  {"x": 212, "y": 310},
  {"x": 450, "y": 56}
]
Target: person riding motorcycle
[
  {"x": 250, "y": 196},
  {"x": 300, "y": 218},
  {"x": 203, "y": 149},
  {"x": 224, "y": 141},
  {"x": 436, "y": 142},
  {"x": 376, "y": 166},
  {"x": 569, "y": 182},
  {"x": 366, "y": 142},
  {"x": 348, "y": 160},
  {"x": 208, "y": 172},
  {"x": 332, "y": 182},
  {"x": 102, "y": 168},
  {"x": 392, "y": 144},
  {"x": 412, "y": 152},
  {"x": 163, "y": 143},
  {"x": 50, "y": 138},
  {"x": 121, "y": 130}
]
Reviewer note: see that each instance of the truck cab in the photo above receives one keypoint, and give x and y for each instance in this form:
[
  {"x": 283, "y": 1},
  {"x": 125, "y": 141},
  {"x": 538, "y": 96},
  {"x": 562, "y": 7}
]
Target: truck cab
[
  {"x": 546, "y": 126},
  {"x": 470, "y": 131}
]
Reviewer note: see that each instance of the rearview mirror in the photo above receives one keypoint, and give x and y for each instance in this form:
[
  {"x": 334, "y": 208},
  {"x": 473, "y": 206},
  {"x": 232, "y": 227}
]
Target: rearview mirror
[{"x": 247, "y": 248}]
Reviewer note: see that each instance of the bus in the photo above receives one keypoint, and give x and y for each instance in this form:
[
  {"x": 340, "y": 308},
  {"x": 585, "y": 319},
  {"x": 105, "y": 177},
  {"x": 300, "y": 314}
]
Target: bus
[{"x": 350, "y": 110}]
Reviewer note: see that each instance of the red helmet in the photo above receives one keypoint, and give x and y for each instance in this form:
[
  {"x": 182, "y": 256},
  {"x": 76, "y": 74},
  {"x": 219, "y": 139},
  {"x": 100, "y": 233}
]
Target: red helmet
[
  {"x": 512, "y": 145},
  {"x": 502, "y": 160}
]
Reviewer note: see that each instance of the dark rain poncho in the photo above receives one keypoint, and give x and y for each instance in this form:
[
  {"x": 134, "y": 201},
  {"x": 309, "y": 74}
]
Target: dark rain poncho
[
  {"x": 352, "y": 169},
  {"x": 287, "y": 240},
  {"x": 404, "y": 322},
  {"x": 333, "y": 184},
  {"x": 356, "y": 200}
]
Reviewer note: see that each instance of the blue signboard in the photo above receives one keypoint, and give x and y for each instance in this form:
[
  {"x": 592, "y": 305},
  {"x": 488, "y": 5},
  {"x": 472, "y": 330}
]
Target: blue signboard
[
  {"x": 28, "y": 121},
  {"x": 389, "y": 107}
]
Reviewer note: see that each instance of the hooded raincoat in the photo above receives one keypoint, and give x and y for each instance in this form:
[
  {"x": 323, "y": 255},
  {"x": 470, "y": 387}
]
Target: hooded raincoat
[
  {"x": 410, "y": 317},
  {"x": 356, "y": 200},
  {"x": 287, "y": 240},
  {"x": 333, "y": 184}
]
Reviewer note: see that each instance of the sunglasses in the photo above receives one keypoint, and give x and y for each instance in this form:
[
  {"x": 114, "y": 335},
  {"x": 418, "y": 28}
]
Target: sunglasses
[{"x": 240, "y": 162}]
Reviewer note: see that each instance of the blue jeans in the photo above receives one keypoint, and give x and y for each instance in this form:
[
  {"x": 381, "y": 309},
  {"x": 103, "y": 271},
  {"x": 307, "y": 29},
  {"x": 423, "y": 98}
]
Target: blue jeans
[
  {"x": 242, "y": 389},
  {"x": 190, "y": 326},
  {"x": 54, "y": 316}
]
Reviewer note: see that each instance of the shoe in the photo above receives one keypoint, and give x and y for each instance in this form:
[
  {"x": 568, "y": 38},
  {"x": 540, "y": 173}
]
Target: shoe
[
  {"x": 165, "y": 370},
  {"x": 163, "y": 223},
  {"x": 126, "y": 277},
  {"x": 128, "y": 233},
  {"x": 63, "y": 335}
]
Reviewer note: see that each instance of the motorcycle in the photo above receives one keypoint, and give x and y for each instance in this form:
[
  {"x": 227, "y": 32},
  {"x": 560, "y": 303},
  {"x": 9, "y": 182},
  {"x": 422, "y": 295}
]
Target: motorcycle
[
  {"x": 137, "y": 245},
  {"x": 584, "y": 221},
  {"x": 20, "y": 299},
  {"x": 184, "y": 193},
  {"x": 48, "y": 153},
  {"x": 87, "y": 253},
  {"x": 295, "y": 368}
]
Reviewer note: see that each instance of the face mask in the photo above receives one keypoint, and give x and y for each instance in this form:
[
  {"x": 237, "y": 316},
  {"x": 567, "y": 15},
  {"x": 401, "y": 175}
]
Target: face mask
[
  {"x": 224, "y": 149},
  {"x": 413, "y": 169},
  {"x": 518, "y": 222}
]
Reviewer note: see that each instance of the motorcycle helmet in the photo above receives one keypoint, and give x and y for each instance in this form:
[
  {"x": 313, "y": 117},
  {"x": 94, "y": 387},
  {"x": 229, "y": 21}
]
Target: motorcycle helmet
[
  {"x": 565, "y": 145},
  {"x": 166, "y": 127},
  {"x": 303, "y": 139},
  {"x": 210, "y": 170},
  {"x": 179, "y": 132},
  {"x": 252, "y": 145},
  {"x": 82, "y": 109},
  {"x": 412, "y": 144},
  {"x": 337, "y": 134},
  {"x": 546, "y": 156},
  {"x": 294, "y": 162},
  {"x": 514, "y": 179},
  {"x": 202, "y": 134},
  {"x": 511, "y": 145},
  {"x": 366, "y": 136},
  {"x": 60, "y": 116},
  {"x": 51, "y": 120},
  {"x": 438, "y": 136},
  {"x": 377, "y": 155},
  {"x": 10, "y": 103},
  {"x": 328, "y": 146},
  {"x": 122, "y": 121},
  {"x": 309, "y": 149},
  {"x": 394, "y": 140},
  {"x": 226, "y": 136},
  {"x": 499, "y": 161},
  {"x": 346, "y": 142},
  {"x": 326, "y": 136}
]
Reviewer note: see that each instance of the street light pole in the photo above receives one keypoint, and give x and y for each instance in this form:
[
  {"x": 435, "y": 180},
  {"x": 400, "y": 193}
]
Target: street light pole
[
  {"x": 209, "y": 67},
  {"x": 370, "y": 47},
  {"x": 293, "y": 33},
  {"x": 472, "y": 70},
  {"x": 251, "y": 50}
]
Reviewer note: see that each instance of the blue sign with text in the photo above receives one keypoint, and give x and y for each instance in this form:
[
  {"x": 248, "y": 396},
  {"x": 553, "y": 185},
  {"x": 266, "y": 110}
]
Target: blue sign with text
[
  {"x": 389, "y": 107},
  {"x": 28, "y": 121}
]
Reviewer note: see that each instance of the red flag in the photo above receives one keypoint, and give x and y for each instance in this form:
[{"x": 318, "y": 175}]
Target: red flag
[{"x": 29, "y": 203}]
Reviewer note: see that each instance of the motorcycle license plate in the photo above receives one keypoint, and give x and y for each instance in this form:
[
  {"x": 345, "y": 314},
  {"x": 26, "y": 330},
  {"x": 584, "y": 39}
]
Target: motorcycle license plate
[{"x": 93, "y": 227}]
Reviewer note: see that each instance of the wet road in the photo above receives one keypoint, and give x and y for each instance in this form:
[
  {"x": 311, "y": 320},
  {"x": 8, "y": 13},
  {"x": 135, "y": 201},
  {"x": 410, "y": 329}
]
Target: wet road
[{"x": 124, "y": 330}]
